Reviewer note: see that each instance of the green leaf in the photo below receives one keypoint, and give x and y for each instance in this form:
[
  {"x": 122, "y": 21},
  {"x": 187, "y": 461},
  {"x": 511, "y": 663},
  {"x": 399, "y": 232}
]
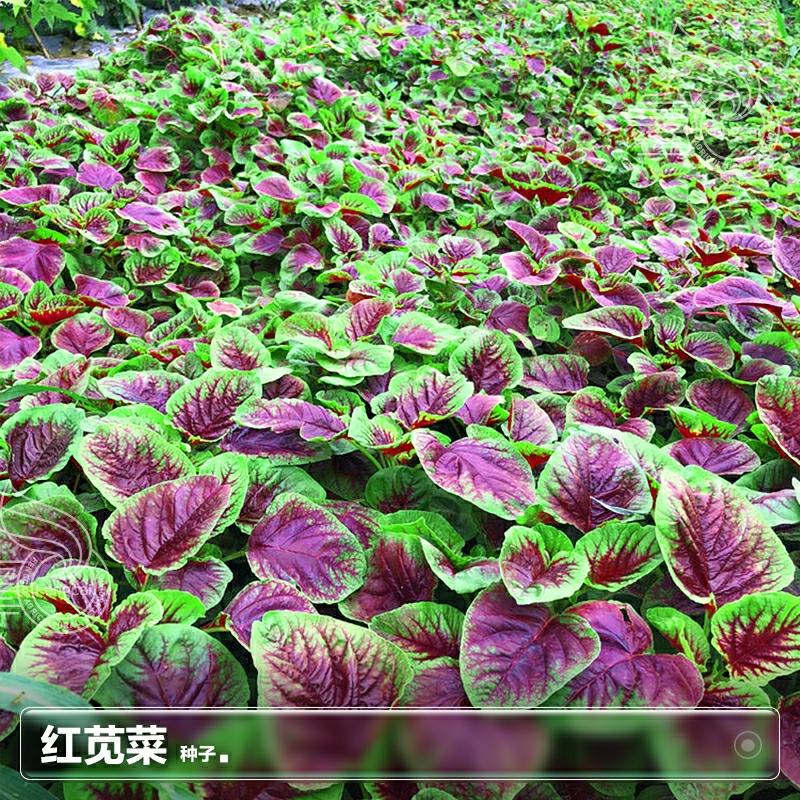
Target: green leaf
[
  {"x": 12, "y": 785},
  {"x": 539, "y": 564},
  {"x": 759, "y": 636},
  {"x": 459, "y": 66},
  {"x": 360, "y": 204},
  {"x": 619, "y": 553},
  {"x": 19, "y": 691},
  {"x": 682, "y": 632}
]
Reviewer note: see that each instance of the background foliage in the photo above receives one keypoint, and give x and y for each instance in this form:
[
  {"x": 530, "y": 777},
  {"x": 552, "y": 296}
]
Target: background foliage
[{"x": 450, "y": 348}]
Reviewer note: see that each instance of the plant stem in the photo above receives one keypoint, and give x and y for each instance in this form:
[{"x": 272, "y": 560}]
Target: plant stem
[
  {"x": 36, "y": 36},
  {"x": 364, "y": 452}
]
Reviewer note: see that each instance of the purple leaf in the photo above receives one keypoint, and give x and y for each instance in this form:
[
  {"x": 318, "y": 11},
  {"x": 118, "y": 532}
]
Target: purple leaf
[
  {"x": 623, "y": 322},
  {"x": 561, "y": 374},
  {"x": 286, "y": 414},
  {"x": 520, "y": 655},
  {"x": 721, "y": 399},
  {"x": 520, "y": 268},
  {"x": 324, "y": 91},
  {"x": 122, "y": 459},
  {"x": 281, "y": 448},
  {"x": 36, "y": 536},
  {"x": 40, "y": 441},
  {"x": 619, "y": 554},
  {"x": 591, "y": 479},
  {"x": 325, "y": 211},
  {"x": 300, "y": 542},
  {"x": 252, "y": 602},
  {"x": 614, "y": 259},
  {"x": 528, "y": 422},
  {"x": 160, "y": 528},
  {"x": 719, "y": 456},
  {"x": 103, "y": 293},
  {"x": 590, "y": 406},
  {"x": 98, "y": 226},
  {"x": 746, "y": 244},
  {"x": 733, "y": 290},
  {"x": 508, "y": 316},
  {"x": 424, "y": 631},
  {"x": 423, "y": 396},
  {"x": 158, "y": 159},
  {"x": 40, "y": 261},
  {"x": 16, "y": 278},
  {"x": 150, "y": 387},
  {"x": 154, "y": 219},
  {"x": 778, "y": 403},
  {"x": 380, "y": 194},
  {"x": 342, "y": 237},
  {"x": 361, "y": 521},
  {"x": 613, "y": 292},
  {"x": 484, "y": 470},
  {"x": 307, "y": 327},
  {"x": 436, "y": 684},
  {"x": 539, "y": 564},
  {"x": 627, "y": 673},
  {"x": 659, "y": 391},
  {"x": 14, "y": 349},
  {"x": 277, "y": 187},
  {"x": 479, "y": 408},
  {"x": 98, "y": 174},
  {"x": 397, "y": 573},
  {"x": 758, "y": 636},
  {"x": 151, "y": 270},
  {"x": 379, "y": 433},
  {"x": 173, "y": 666},
  {"x": 9, "y": 226},
  {"x": 80, "y": 589},
  {"x": 30, "y": 195},
  {"x": 537, "y": 243},
  {"x": 300, "y": 259},
  {"x": 128, "y": 321},
  {"x": 78, "y": 652},
  {"x": 204, "y": 577},
  {"x": 436, "y": 202},
  {"x": 205, "y": 407},
  {"x": 668, "y": 249},
  {"x": 786, "y": 254},
  {"x": 709, "y": 348},
  {"x": 422, "y": 334},
  {"x": 715, "y": 543},
  {"x": 488, "y": 360},
  {"x": 83, "y": 334},
  {"x": 268, "y": 481},
  {"x": 309, "y": 660},
  {"x": 265, "y": 243},
  {"x": 236, "y": 347},
  {"x": 365, "y": 316}
]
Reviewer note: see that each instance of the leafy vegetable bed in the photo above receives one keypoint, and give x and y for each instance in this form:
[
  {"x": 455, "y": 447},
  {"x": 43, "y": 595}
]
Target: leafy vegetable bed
[{"x": 452, "y": 350}]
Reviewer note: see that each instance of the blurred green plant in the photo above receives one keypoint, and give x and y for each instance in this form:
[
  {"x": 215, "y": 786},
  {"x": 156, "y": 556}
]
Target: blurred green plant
[
  {"x": 23, "y": 20},
  {"x": 20, "y": 19}
]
